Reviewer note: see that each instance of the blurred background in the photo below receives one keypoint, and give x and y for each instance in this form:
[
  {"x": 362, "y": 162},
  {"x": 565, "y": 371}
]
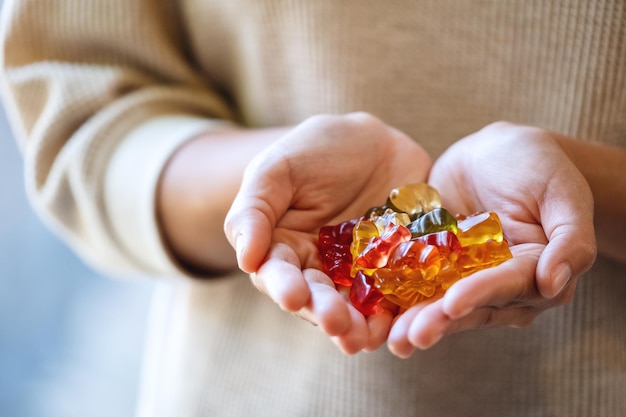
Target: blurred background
[{"x": 70, "y": 339}]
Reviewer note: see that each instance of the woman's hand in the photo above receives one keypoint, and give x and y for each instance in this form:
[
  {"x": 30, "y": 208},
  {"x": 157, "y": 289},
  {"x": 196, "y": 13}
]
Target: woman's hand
[
  {"x": 546, "y": 209},
  {"x": 326, "y": 170}
]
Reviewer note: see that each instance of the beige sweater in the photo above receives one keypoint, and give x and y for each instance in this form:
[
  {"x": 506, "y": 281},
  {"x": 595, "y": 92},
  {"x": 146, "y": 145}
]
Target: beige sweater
[{"x": 101, "y": 92}]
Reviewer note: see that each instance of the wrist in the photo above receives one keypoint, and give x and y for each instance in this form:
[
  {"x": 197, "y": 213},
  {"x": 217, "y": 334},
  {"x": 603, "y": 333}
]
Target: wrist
[{"x": 196, "y": 189}]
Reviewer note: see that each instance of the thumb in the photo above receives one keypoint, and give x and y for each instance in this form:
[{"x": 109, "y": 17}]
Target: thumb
[
  {"x": 567, "y": 219},
  {"x": 262, "y": 200}
]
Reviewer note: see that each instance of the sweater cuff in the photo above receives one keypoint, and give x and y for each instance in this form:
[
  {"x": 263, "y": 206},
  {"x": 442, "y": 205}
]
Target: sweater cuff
[{"x": 130, "y": 188}]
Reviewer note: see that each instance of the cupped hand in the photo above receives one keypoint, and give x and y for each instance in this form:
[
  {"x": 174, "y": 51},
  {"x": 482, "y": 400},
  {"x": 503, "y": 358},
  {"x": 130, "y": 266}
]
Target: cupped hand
[
  {"x": 326, "y": 170},
  {"x": 546, "y": 209}
]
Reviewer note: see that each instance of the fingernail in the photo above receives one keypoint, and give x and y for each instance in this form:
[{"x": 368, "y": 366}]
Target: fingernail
[{"x": 561, "y": 276}]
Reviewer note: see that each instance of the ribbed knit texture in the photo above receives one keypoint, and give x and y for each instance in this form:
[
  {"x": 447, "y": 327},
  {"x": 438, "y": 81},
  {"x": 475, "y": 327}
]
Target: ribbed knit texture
[{"x": 79, "y": 76}]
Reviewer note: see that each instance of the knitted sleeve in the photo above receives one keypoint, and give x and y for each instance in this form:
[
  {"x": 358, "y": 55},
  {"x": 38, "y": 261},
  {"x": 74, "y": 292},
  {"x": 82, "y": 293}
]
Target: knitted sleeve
[{"x": 100, "y": 93}]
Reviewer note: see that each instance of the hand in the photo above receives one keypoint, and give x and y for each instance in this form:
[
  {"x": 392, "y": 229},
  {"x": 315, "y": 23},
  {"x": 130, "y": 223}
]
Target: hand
[
  {"x": 326, "y": 170},
  {"x": 546, "y": 209}
]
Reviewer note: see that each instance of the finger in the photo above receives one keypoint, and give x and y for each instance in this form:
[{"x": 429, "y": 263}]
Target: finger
[
  {"x": 567, "y": 218},
  {"x": 510, "y": 283},
  {"x": 431, "y": 325},
  {"x": 282, "y": 279},
  {"x": 397, "y": 341},
  {"x": 379, "y": 326},
  {"x": 250, "y": 233},
  {"x": 327, "y": 308},
  {"x": 428, "y": 326},
  {"x": 356, "y": 336},
  {"x": 262, "y": 199}
]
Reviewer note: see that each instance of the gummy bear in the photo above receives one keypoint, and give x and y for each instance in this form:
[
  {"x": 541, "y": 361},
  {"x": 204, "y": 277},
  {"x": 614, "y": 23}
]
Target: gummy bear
[
  {"x": 376, "y": 211},
  {"x": 414, "y": 199},
  {"x": 409, "y": 249},
  {"x": 446, "y": 241},
  {"x": 483, "y": 242},
  {"x": 451, "y": 250},
  {"x": 334, "y": 245},
  {"x": 483, "y": 255},
  {"x": 377, "y": 252},
  {"x": 417, "y": 256},
  {"x": 436, "y": 220},
  {"x": 410, "y": 275},
  {"x": 479, "y": 228},
  {"x": 365, "y": 296},
  {"x": 391, "y": 217},
  {"x": 363, "y": 233},
  {"x": 403, "y": 288}
]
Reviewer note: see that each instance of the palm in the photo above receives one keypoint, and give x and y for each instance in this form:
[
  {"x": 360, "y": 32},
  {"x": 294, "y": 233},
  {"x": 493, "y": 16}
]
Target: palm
[
  {"x": 545, "y": 207},
  {"x": 482, "y": 173}
]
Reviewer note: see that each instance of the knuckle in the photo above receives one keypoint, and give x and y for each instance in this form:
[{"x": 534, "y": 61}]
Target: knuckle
[
  {"x": 321, "y": 119},
  {"x": 327, "y": 124},
  {"x": 363, "y": 117},
  {"x": 589, "y": 254},
  {"x": 488, "y": 318},
  {"x": 364, "y": 121},
  {"x": 339, "y": 125},
  {"x": 499, "y": 125},
  {"x": 512, "y": 130}
]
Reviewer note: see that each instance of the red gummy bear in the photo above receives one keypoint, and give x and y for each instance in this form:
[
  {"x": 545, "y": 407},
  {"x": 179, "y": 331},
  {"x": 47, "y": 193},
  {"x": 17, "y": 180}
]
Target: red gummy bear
[
  {"x": 334, "y": 245},
  {"x": 364, "y": 296},
  {"x": 446, "y": 241}
]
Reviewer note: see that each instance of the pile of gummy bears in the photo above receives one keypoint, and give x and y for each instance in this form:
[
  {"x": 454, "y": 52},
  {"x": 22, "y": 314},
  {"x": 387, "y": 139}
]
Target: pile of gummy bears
[{"x": 409, "y": 249}]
